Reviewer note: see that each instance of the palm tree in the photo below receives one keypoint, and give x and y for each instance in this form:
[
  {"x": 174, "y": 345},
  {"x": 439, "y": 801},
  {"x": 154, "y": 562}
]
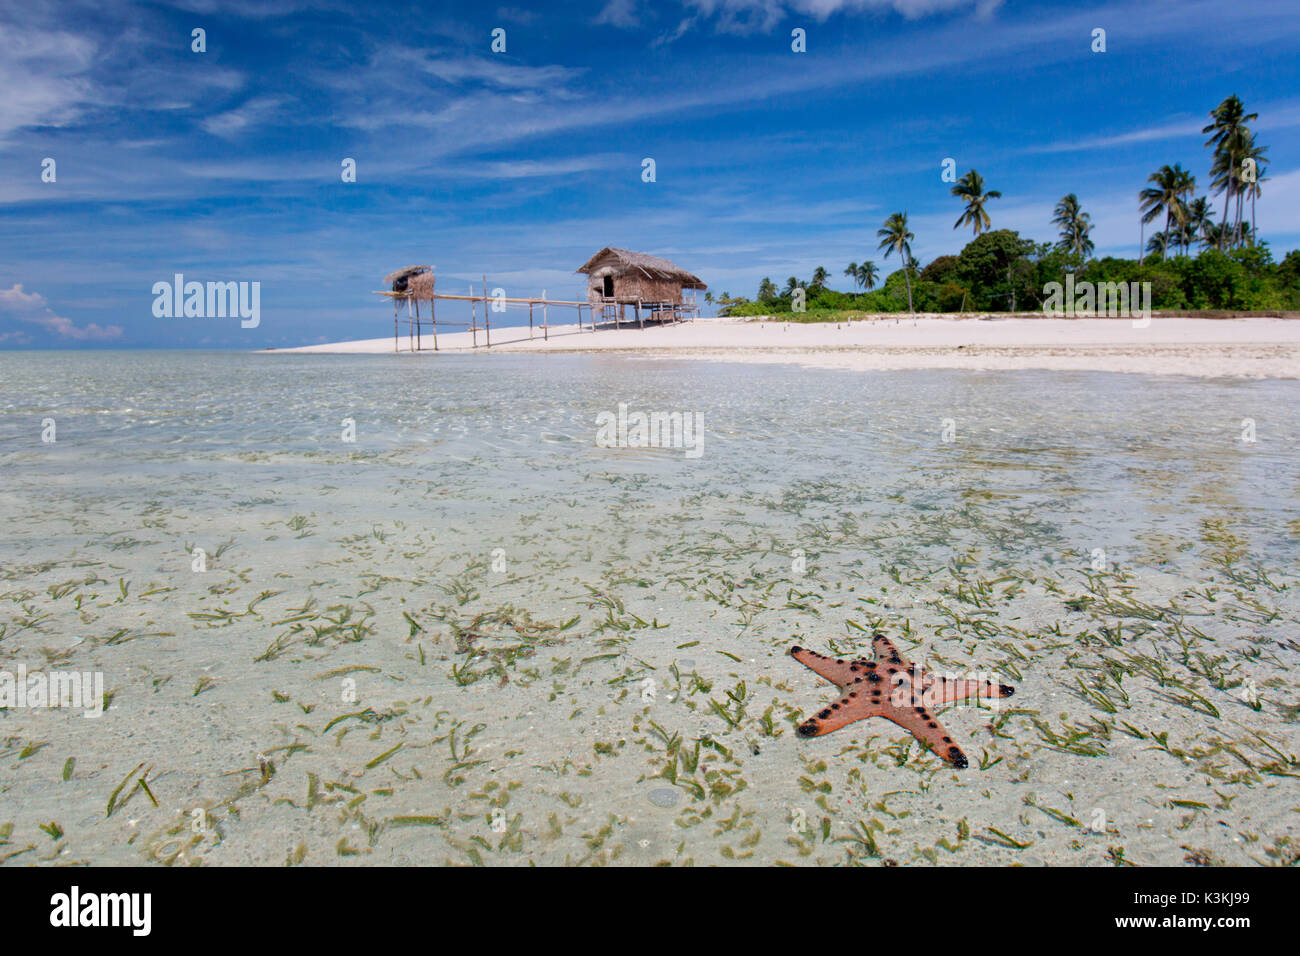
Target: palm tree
[
  {"x": 790, "y": 285},
  {"x": 1227, "y": 124},
  {"x": 852, "y": 273},
  {"x": 1199, "y": 216},
  {"x": 1075, "y": 226},
  {"x": 1213, "y": 233},
  {"x": 971, "y": 189},
  {"x": 1184, "y": 185},
  {"x": 867, "y": 275},
  {"x": 1160, "y": 242},
  {"x": 1226, "y": 169},
  {"x": 1171, "y": 182},
  {"x": 820, "y": 275},
  {"x": 1254, "y": 153},
  {"x": 895, "y": 237}
]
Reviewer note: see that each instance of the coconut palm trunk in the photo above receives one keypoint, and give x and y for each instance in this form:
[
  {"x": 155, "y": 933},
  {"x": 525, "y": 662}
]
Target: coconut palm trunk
[{"x": 1227, "y": 205}]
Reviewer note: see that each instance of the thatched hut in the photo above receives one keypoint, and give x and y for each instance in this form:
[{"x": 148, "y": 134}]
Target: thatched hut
[
  {"x": 413, "y": 281},
  {"x": 618, "y": 277}
]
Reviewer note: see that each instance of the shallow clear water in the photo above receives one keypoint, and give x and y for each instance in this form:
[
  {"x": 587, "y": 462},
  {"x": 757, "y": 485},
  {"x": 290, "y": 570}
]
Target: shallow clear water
[{"x": 433, "y": 569}]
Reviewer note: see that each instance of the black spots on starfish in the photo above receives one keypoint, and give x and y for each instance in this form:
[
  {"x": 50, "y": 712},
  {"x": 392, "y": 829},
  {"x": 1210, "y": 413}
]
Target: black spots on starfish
[
  {"x": 934, "y": 725},
  {"x": 893, "y": 670},
  {"x": 1006, "y": 690},
  {"x": 870, "y": 664},
  {"x": 957, "y": 757},
  {"x": 874, "y": 678},
  {"x": 854, "y": 694},
  {"x": 808, "y": 728},
  {"x": 796, "y": 649},
  {"x": 947, "y": 740},
  {"x": 824, "y": 714}
]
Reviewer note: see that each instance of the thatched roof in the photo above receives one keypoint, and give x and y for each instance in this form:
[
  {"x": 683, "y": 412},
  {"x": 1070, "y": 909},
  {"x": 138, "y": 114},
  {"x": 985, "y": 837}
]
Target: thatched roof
[
  {"x": 652, "y": 266},
  {"x": 420, "y": 286},
  {"x": 405, "y": 273}
]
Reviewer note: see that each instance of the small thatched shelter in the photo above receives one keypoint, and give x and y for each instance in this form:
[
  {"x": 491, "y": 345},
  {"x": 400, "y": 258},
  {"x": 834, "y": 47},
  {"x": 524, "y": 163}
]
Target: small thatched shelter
[
  {"x": 619, "y": 276},
  {"x": 415, "y": 281}
]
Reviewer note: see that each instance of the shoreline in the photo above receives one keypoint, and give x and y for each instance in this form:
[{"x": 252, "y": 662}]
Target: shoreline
[{"x": 1255, "y": 347}]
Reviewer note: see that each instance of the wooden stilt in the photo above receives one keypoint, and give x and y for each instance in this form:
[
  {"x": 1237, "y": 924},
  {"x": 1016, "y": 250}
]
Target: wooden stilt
[
  {"x": 530, "y": 320},
  {"x": 487, "y": 319},
  {"x": 410, "y": 326},
  {"x": 473, "y": 316},
  {"x": 546, "y": 330},
  {"x": 395, "y": 325},
  {"x": 433, "y": 319},
  {"x": 417, "y": 325},
  {"x": 639, "y": 320}
]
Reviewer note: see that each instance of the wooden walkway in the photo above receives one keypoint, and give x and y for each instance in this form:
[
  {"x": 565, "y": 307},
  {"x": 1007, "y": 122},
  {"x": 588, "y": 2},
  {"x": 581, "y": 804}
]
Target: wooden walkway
[{"x": 611, "y": 309}]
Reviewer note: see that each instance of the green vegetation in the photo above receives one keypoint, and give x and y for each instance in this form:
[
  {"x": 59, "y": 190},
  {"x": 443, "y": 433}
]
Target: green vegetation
[{"x": 1001, "y": 271}]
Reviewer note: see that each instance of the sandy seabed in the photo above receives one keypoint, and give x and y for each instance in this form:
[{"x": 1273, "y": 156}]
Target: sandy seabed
[{"x": 474, "y": 635}]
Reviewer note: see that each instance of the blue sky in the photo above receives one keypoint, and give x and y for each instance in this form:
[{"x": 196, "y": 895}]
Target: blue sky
[{"x": 225, "y": 165}]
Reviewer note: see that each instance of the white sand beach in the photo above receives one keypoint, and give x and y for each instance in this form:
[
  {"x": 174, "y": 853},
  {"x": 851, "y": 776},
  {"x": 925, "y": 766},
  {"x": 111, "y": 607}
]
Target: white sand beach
[{"x": 1242, "y": 347}]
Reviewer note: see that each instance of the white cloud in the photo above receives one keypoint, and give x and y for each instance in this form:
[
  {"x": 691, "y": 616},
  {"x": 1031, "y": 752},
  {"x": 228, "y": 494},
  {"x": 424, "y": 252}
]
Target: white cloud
[
  {"x": 531, "y": 168},
  {"x": 1280, "y": 115},
  {"x": 32, "y": 307},
  {"x": 254, "y": 112},
  {"x": 251, "y": 9},
  {"x": 750, "y": 16},
  {"x": 38, "y": 73},
  {"x": 619, "y": 13},
  {"x": 516, "y": 14},
  {"x": 493, "y": 72}
]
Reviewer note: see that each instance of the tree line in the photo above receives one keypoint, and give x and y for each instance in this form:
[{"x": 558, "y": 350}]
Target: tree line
[{"x": 1001, "y": 271}]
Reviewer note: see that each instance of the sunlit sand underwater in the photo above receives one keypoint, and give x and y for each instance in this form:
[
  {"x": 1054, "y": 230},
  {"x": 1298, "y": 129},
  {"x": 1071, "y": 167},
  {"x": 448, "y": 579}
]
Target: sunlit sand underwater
[{"x": 474, "y": 636}]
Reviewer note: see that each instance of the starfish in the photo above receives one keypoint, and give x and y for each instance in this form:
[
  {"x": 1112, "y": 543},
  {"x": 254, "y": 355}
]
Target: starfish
[{"x": 895, "y": 689}]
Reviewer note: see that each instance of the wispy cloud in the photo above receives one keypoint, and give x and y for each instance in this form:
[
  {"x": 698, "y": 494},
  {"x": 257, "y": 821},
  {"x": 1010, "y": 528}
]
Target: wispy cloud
[
  {"x": 536, "y": 168},
  {"x": 1274, "y": 116},
  {"x": 40, "y": 75},
  {"x": 619, "y": 13},
  {"x": 761, "y": 16},
  {"x": 252, "y": 113}
]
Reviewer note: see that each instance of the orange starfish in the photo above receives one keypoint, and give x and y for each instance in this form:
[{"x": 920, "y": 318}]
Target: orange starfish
[{"x": 895, "y": 689}]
